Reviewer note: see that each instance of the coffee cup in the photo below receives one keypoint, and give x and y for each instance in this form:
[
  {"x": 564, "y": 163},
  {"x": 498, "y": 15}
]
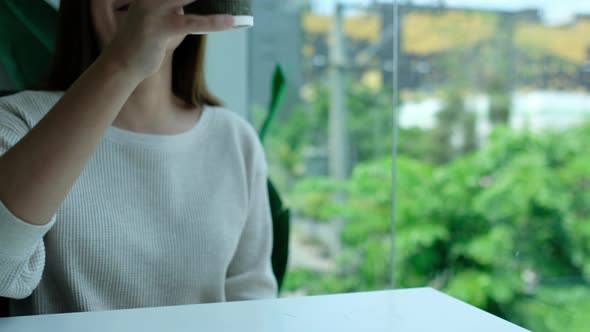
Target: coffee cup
[{"x": 241, "y": 10}]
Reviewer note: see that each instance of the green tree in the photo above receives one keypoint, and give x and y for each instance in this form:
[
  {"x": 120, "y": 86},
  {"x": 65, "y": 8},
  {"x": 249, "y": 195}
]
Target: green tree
[
  {"x": 505, "y": 228},
  {"x": 470, "y": 136},
  {"x": 448, "y": 121},
  {"x": 305, "y": 126},
  {"x": 500, "y": 101}
]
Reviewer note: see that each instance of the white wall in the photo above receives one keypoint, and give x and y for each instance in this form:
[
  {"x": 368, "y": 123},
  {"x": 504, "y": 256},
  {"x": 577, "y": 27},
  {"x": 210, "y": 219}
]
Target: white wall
[{"x": 227, "y": 68}]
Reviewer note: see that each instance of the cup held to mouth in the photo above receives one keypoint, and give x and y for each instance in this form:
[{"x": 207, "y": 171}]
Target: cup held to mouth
[{"x": 241, "y": 10}]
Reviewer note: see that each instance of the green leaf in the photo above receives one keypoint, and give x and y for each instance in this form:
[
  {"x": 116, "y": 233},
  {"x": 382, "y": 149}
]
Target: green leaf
[{"x": 279, "y": 84}]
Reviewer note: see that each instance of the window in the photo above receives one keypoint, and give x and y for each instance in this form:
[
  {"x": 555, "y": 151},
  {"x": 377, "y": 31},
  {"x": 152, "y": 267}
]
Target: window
[
  {"x": 493, "y": 157},
  {"x": 493, "y": 138},
  {"x": 332, "y": 134}
]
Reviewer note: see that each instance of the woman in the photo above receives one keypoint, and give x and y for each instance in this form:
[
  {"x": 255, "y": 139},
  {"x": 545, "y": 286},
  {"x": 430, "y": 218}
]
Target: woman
[{"x": 128, "y": 187}]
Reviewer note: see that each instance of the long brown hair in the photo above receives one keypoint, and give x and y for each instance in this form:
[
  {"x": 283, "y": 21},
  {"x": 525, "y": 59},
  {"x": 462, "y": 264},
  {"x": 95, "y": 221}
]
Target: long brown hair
[{"x": 77, "y": 48}]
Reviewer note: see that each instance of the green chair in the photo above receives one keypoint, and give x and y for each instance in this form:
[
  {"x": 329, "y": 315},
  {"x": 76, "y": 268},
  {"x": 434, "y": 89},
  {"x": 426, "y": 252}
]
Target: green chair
[
  {"x": 281, "y": 216},
  {"x": 27, "y": 38}
]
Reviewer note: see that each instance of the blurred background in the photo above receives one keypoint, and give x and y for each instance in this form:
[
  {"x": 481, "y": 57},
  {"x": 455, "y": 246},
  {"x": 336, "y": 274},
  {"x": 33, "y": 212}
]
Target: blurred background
[
  {"x": 473, "y": 115},
  {"x": 493, "y": 150}
]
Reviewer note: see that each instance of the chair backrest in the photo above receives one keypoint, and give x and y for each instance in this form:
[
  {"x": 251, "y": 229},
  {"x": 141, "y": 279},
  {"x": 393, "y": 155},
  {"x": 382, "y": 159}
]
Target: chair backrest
[
  {"x": 281, "y": 220},
  {"x": 4, "y": 307},
  {"x": 4, "y": 93}
]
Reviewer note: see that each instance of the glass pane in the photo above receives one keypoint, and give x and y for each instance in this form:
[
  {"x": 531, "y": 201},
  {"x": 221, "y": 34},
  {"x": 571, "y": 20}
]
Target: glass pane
[
  {"x": 329, "y": 145},
  {"x": 494, "y": 157},
  {"x": 492, "y": 176}
]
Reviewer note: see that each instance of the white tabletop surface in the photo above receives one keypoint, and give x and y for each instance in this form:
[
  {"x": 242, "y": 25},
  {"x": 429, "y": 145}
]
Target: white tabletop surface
[{"x": 410, "y": 310}]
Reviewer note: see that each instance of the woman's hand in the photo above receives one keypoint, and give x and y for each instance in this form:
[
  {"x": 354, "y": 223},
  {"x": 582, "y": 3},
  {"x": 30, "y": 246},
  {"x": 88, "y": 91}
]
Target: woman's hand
[{"x": 141, "y": 43}]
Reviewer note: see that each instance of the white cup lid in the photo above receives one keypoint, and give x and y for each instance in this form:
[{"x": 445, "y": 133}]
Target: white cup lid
[{"x": 240, "y": 21}]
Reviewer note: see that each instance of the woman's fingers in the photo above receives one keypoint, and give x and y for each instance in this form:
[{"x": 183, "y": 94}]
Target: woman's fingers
[
  {"x": 174, "y": 24},
  {"x": 141, "y": 43},
  {"x": 185, "y": 24}
]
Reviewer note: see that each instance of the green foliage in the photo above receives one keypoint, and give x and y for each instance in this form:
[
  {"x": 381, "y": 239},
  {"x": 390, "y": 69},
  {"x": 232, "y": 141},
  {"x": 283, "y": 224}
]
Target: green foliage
[
  {"x": 369, "y": 122},
  {"x": 415, "y": 143},
  {"x": 305, "y": 126},
  {"x": 314, "y": 199},
  {"x": 298, "y": 279},
  {"x": 314, "y": 283},
  {"x": 500, "y": 102},
  {"x": 447, "y": 121},
  {"x": 506, "y": 228},
  {"x": 562, "y": 308},
  {"x": 278, "y": 87}
]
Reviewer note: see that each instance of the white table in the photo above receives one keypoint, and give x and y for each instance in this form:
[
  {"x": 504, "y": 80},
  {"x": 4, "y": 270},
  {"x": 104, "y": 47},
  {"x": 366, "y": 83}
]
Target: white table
[{"x": 422, "y": 309}]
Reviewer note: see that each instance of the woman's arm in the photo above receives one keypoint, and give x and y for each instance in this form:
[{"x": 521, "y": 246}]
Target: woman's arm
[
  {"x": 39, "y": 167},
  {"x": 37, "y": 173},
  {"x": 250, "y": 274}
]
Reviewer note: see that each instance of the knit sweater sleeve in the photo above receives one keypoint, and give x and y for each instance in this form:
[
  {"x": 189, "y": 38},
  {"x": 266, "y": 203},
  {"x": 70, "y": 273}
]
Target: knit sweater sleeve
[
  {"x": 22, "y": 253},
  {"x": 250, "y": 274}
]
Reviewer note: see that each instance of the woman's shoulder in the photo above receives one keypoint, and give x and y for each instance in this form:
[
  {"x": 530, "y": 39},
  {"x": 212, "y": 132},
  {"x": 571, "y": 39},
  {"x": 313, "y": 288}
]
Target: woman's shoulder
[
  {"x": 231, "y": 128},
  {"x": 28, "y": 106},
  {"x": 229, "y": 122},
  {"x": 31, "y": 98}
]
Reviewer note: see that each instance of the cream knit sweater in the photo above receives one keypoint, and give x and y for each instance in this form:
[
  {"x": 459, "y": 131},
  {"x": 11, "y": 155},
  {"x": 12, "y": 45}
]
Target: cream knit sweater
[{"x": 152, "y": 220}]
